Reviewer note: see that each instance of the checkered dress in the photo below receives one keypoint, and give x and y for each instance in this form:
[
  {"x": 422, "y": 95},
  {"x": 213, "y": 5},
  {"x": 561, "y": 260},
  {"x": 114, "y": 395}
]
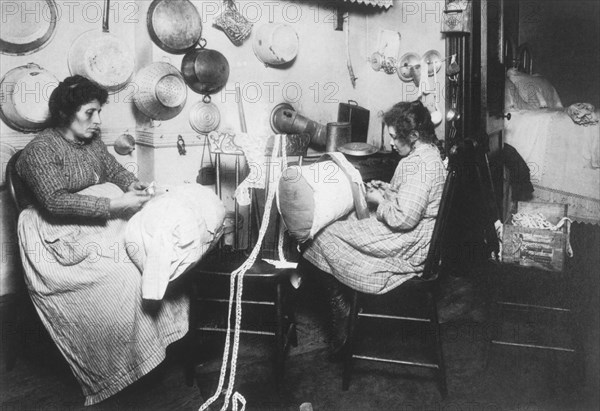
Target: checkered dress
[{"x": 379, "y": 253}]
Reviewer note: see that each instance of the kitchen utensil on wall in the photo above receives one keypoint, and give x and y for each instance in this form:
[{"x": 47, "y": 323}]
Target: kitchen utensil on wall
[
  {"x": 358, "y": 117},
  {"x": 161, "y": 92},
  {"x": 204, "y": 116},
  {"x": 174, "y": 25},
  {"x": 338, "y": 134},
  {"x": 233, "y": 23},
  {"x": 102, "y": 57},
  {"x": 285, "y": 120},
  {"x": 24, "y": 95},
  {"x": 436, "y": 115},
  {"x": 275, "y": 44},
  {"x": 406, "y": 66},
  {"x": 434, "y": 60},
  {"x": 124, "y": 144},
  {"x": 24, "y": 32},
  {"x": 204, "y": 70},
  {"x": 207, "y": 175}
]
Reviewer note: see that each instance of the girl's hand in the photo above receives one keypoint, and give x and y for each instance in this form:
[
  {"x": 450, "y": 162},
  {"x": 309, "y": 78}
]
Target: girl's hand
[{"x": 374, "y": 196}]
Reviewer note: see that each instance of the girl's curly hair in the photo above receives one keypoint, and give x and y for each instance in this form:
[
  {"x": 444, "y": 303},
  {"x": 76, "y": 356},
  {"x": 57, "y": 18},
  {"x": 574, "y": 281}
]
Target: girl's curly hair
[{"x": 406, "y": 117}]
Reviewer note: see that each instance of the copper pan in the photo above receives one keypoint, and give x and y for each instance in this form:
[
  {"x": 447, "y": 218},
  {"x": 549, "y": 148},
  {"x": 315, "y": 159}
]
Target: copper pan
[{"x": 174, "y": 25}]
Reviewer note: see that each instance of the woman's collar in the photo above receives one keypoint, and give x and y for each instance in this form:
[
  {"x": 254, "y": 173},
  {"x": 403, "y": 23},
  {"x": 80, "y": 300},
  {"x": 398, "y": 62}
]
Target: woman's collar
[{"x": 76, "y": 143}]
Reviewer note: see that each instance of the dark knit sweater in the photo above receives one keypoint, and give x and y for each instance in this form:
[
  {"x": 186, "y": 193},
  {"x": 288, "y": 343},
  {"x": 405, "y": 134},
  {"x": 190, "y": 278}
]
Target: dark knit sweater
[{"x": 56, "y": 169}]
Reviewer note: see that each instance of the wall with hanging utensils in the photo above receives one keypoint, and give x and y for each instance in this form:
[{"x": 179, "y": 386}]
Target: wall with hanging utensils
[
  {"x": 313, "y": 77},
  {"x": 316, "y": 81}
]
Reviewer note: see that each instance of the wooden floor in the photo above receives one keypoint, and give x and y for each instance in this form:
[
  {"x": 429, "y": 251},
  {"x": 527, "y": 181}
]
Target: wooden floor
[{"x": 479, "y": 378}]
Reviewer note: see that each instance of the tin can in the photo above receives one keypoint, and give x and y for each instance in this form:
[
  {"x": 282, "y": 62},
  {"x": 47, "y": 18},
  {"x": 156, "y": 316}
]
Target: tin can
[{"x": 338, "y": 134}]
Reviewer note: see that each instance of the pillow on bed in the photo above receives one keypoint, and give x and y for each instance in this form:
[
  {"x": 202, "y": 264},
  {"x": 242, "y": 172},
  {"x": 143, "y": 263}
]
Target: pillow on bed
[
  {"x": 512, "y": 99},
  {"x": 535, "y": 90}
]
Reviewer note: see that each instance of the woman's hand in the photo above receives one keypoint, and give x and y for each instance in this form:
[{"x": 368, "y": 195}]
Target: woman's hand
[
  {"x": 137, "y": 186},
  {"x": 129, "y": 203}
]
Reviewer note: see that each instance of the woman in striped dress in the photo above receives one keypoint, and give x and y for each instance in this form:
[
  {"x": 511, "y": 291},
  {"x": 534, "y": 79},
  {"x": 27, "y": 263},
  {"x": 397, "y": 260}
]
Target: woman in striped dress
[
  {"x": 78, "y": 271},
  {"x": 377, "y": 254}
]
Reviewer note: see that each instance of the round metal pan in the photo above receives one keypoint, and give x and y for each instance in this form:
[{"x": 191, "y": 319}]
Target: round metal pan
[
  {"x": 174, "y": 25},
  {"x": 358, "y": 149},
  {"x": 23, "y": 32},
  {"x": 102, "y": 57}
]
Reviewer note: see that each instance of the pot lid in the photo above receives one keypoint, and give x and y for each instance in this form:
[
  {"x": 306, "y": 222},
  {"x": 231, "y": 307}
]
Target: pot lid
[
  {"x": 171, "y": 90},
  {"x": 204, "y": 117},
  {"x": 406, "y": 64},
  {"x": 358, "y": 149}
]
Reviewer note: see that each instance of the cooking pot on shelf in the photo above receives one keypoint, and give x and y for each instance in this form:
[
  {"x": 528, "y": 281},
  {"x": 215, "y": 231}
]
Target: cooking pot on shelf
[
  {"x": 205, "y": 71},
  {"x": 161, "y": 92},
  {"x": 174, "y": 25},
  {"x": 20, "y": 108},
  {"x": 102, "y": 57},
  {"x": 26, "y": 33}
]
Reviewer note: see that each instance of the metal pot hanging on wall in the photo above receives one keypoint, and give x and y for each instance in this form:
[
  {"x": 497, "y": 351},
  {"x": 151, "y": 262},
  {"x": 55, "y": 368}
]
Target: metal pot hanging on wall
[
  {"x": 174, "y": 25},
  {"x": 26, "y": 32},
  {"x": 205, "y": 71},
  {"x": 20, "y": 109},
  {"x": 102, "y": 57}
]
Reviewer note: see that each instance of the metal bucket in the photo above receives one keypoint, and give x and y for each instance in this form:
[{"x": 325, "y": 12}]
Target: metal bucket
[{"x": 338, "y": 134}]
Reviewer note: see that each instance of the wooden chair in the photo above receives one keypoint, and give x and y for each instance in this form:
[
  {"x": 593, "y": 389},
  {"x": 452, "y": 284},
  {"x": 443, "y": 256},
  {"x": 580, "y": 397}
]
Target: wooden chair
[
  {"x": 385, "y": 308},
  {"x": 20, "y": 195},
  {"x": 267, "y": 299},
  {"x": 21, "y": 198}
]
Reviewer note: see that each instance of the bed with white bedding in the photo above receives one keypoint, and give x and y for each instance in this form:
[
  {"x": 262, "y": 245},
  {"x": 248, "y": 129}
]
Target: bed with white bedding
[{"x": 560, "y": 145}]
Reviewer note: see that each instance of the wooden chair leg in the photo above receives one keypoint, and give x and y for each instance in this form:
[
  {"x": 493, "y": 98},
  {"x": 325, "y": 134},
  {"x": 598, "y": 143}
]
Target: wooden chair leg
[
  {"x": 438, "y": 342},
  {"x": 346, "y": 375},
  {"x": 189, "y": 358},
  {"x": 279, "y": 335}
]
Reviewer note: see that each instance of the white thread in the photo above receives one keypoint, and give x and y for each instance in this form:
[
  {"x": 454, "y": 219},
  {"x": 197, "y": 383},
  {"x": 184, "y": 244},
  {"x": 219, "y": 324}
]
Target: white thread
[{"x": 236, "y": 285}]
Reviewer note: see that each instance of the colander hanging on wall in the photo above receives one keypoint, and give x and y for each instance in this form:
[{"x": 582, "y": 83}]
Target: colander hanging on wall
[{"x": 161, "y": 93}]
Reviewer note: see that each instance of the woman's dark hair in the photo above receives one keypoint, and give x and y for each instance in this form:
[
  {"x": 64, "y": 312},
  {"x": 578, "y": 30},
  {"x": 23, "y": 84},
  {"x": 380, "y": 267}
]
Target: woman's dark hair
[
  {"x": 72, "y": 93},
  {"x": 411, "y": 116}
]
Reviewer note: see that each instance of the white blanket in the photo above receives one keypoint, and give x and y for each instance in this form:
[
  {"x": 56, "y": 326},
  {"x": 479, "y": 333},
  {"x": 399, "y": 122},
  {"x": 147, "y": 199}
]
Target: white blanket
[
  {"x": 171, "y": 233},
  {"x": 564, "y": 159}
]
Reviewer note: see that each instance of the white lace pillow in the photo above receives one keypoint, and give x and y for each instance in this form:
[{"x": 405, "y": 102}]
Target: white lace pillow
[{"x": 535, "y": 90}]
